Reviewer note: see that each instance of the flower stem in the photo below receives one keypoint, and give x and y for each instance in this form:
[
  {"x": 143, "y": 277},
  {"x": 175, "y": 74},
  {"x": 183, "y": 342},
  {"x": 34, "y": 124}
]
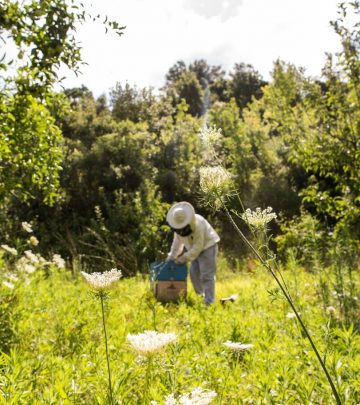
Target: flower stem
[
  {"x": 106, "y": 346},
  {"x": 288, "y": 298}
]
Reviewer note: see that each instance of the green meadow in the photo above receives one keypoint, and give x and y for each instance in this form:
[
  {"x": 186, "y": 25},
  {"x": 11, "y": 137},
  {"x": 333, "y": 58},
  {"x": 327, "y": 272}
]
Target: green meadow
[{"x": 57, "y": 351}]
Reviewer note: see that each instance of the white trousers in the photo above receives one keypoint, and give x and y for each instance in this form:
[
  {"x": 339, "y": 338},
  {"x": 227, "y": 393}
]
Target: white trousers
[{"x": 202, "y": 274}]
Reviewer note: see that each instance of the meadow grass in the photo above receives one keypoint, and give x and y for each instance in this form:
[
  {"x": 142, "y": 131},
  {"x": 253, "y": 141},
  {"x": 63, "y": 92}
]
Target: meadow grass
[{"x": 58, "y": 354}]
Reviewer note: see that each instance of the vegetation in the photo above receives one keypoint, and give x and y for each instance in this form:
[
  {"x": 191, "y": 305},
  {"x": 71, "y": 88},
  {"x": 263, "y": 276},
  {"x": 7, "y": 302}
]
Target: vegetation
[{"x": 59, "y": 354}]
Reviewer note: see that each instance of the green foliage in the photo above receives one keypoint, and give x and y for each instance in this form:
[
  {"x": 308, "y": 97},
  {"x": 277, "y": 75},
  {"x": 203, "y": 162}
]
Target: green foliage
[
  {"x": 8, "y": 335},
  {"x": 188, "y": 88},
  {"x": 43, "y": 34},
  {"x": 30, "y": 148},
  {"x": 305, "y": 238},
  {"x": 244, "y": 84},
  {"x": 179, "y": 157},
  {"x": 131, "y": 104},
  {"x": 60, "y": 354}
]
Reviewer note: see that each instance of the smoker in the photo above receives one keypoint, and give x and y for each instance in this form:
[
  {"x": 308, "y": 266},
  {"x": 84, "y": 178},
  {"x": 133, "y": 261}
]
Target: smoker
[{"x": 168, "y": 281}]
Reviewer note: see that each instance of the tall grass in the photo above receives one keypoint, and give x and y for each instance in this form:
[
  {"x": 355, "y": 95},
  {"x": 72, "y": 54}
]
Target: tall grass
[{"x": 59, "y": 354}]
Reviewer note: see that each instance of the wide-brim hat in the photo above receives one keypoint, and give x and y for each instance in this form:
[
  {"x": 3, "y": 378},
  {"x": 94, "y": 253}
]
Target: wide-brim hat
[{"x": 180, "y": 215}]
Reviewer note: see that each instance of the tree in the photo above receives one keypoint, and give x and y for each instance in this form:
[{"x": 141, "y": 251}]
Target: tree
[
  {"x": 87, "y": 119},
  {"x": 179, "y": 157},
  {"x": 199, "y": 84},
  {"x": 43, "y": 33},
  {"x": 131, "y": 103},
  {"x": 244, "y": 84}
]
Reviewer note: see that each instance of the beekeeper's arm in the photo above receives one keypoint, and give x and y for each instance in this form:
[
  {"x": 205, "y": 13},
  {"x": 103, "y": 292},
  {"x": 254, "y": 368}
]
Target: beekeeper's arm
[
  {"x": 177, "y": 247},
  {"x": 197, "y": 246}
]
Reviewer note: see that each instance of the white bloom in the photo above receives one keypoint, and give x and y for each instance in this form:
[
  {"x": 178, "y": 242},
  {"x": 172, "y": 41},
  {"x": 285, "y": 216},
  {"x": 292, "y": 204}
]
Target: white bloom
[
  {"x": 330, "y": 310},
  {"x": 33, "y": 241},
  {"x": 291, "y": 315},
  {"x": 215, "y": 182},
  {"x": 273, "y": 393},
  {"x": 10, "y": 250},
  {"x": 8, "y": 285},
  {"x": 24, "y": 265},
  {"x": 237, "y": 346},
  {"x": 31, "y": 257},
  {"x": 210, "y": 136},
  {"x": 214, "y": 178},
  {"x": 198, "y": 396},
  {"x": 150, "y": 341},
  {"x": 58, "y": 261},
  {"x": 102, "y": 281},
  {"x": 29, "y": 268},
  {"x": 258, "y": 218},
  {"x": 26, "y": 227},
  {"x": 11, "y": 276}
]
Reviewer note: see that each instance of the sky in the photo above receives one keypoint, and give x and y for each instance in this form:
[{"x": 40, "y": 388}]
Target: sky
[{"x": 223, "y": 32}]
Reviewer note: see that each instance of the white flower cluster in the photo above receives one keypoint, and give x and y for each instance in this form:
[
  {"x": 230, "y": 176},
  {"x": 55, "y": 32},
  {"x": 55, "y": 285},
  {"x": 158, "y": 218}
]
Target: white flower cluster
[
  {"x": 215, "y": 182},
  {"x": 8, "y": 284},
  {"x": 198, "y": 396},
  {"x": 33, "y": 240},
  {"x": 102, "y": 281},
  {"x": 26, "y": 227},
  {"x": 25, "y": 265},
  {"x": 150, "y": 341},
  {"x": 258, "y": 218},
  {"x": 214, "y": 178},
  {"x": 210, "y": 136},
  {"x": 31, "y": 257},
  {"x": 237, "y": 346},
  {"x": 10, "y": 250},
  {"x": 58, "y": 261},
  {"x": 291, "y": 315}
]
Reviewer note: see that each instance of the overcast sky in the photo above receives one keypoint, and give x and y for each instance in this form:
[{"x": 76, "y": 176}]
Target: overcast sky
[{"x": 223, "y": 32}]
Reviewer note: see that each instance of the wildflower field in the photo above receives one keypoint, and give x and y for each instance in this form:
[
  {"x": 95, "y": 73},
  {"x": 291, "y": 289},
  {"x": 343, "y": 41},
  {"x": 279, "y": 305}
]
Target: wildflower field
[
  {"x": 250, "y": 351},
  {"x": 86, "y": 183}
]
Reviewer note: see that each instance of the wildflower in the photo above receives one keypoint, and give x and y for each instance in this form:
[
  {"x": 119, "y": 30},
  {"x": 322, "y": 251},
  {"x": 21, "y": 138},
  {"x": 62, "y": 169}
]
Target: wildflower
[
  {"x": 10, "y": 250},
  {"x": 150, "y": 341},
  {"x": 11, "y": 276},
  {"x": 102, "y": 281},
  {"x": 33, "y": 241},
  {"x": 8, "y": 285},
  {"x": 198, "y": 396},
  {"x": 26, "y": 227},
  {"x": 29, "y": 268},
  {"x": 58, "y": 261},
  {"x": 258, "y": 218},
  {"x": 273, "y": 393},
  {"x": 210, "y": 136},
  {"x": 23, "y": 265},
  {"x": 215, "y": 183},
  {"x": 331, "y": 311},
  {"x": 31, "y": 257},
  {"x": 237, "y": 346},
  {"x": 291, "y": 315}
]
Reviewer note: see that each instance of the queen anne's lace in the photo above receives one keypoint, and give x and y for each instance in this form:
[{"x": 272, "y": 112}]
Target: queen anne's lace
[
  {"x": 215, "y": 183},
  {"x": 26, "y": 227},
  {"x": 237, "y": 346},
  {"x": 102, "y": 281},
  {"x": 58, "y": 261},
  {"x": 9, "y": 249},
  {"x": 198, "y": 396},
  {"x": 150, "y": 341},
  {"x": 258, "y": 218}
]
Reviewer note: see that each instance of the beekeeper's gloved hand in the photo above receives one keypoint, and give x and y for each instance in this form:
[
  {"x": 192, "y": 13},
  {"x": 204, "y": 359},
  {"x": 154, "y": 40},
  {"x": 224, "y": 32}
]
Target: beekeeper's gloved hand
[
  {"x": 169, "y": 259},
  {"x": 180, "y": 259}
]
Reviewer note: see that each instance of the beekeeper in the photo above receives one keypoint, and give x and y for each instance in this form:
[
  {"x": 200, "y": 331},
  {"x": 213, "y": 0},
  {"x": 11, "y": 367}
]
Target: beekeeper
[{"x": 194, "y": 233}]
